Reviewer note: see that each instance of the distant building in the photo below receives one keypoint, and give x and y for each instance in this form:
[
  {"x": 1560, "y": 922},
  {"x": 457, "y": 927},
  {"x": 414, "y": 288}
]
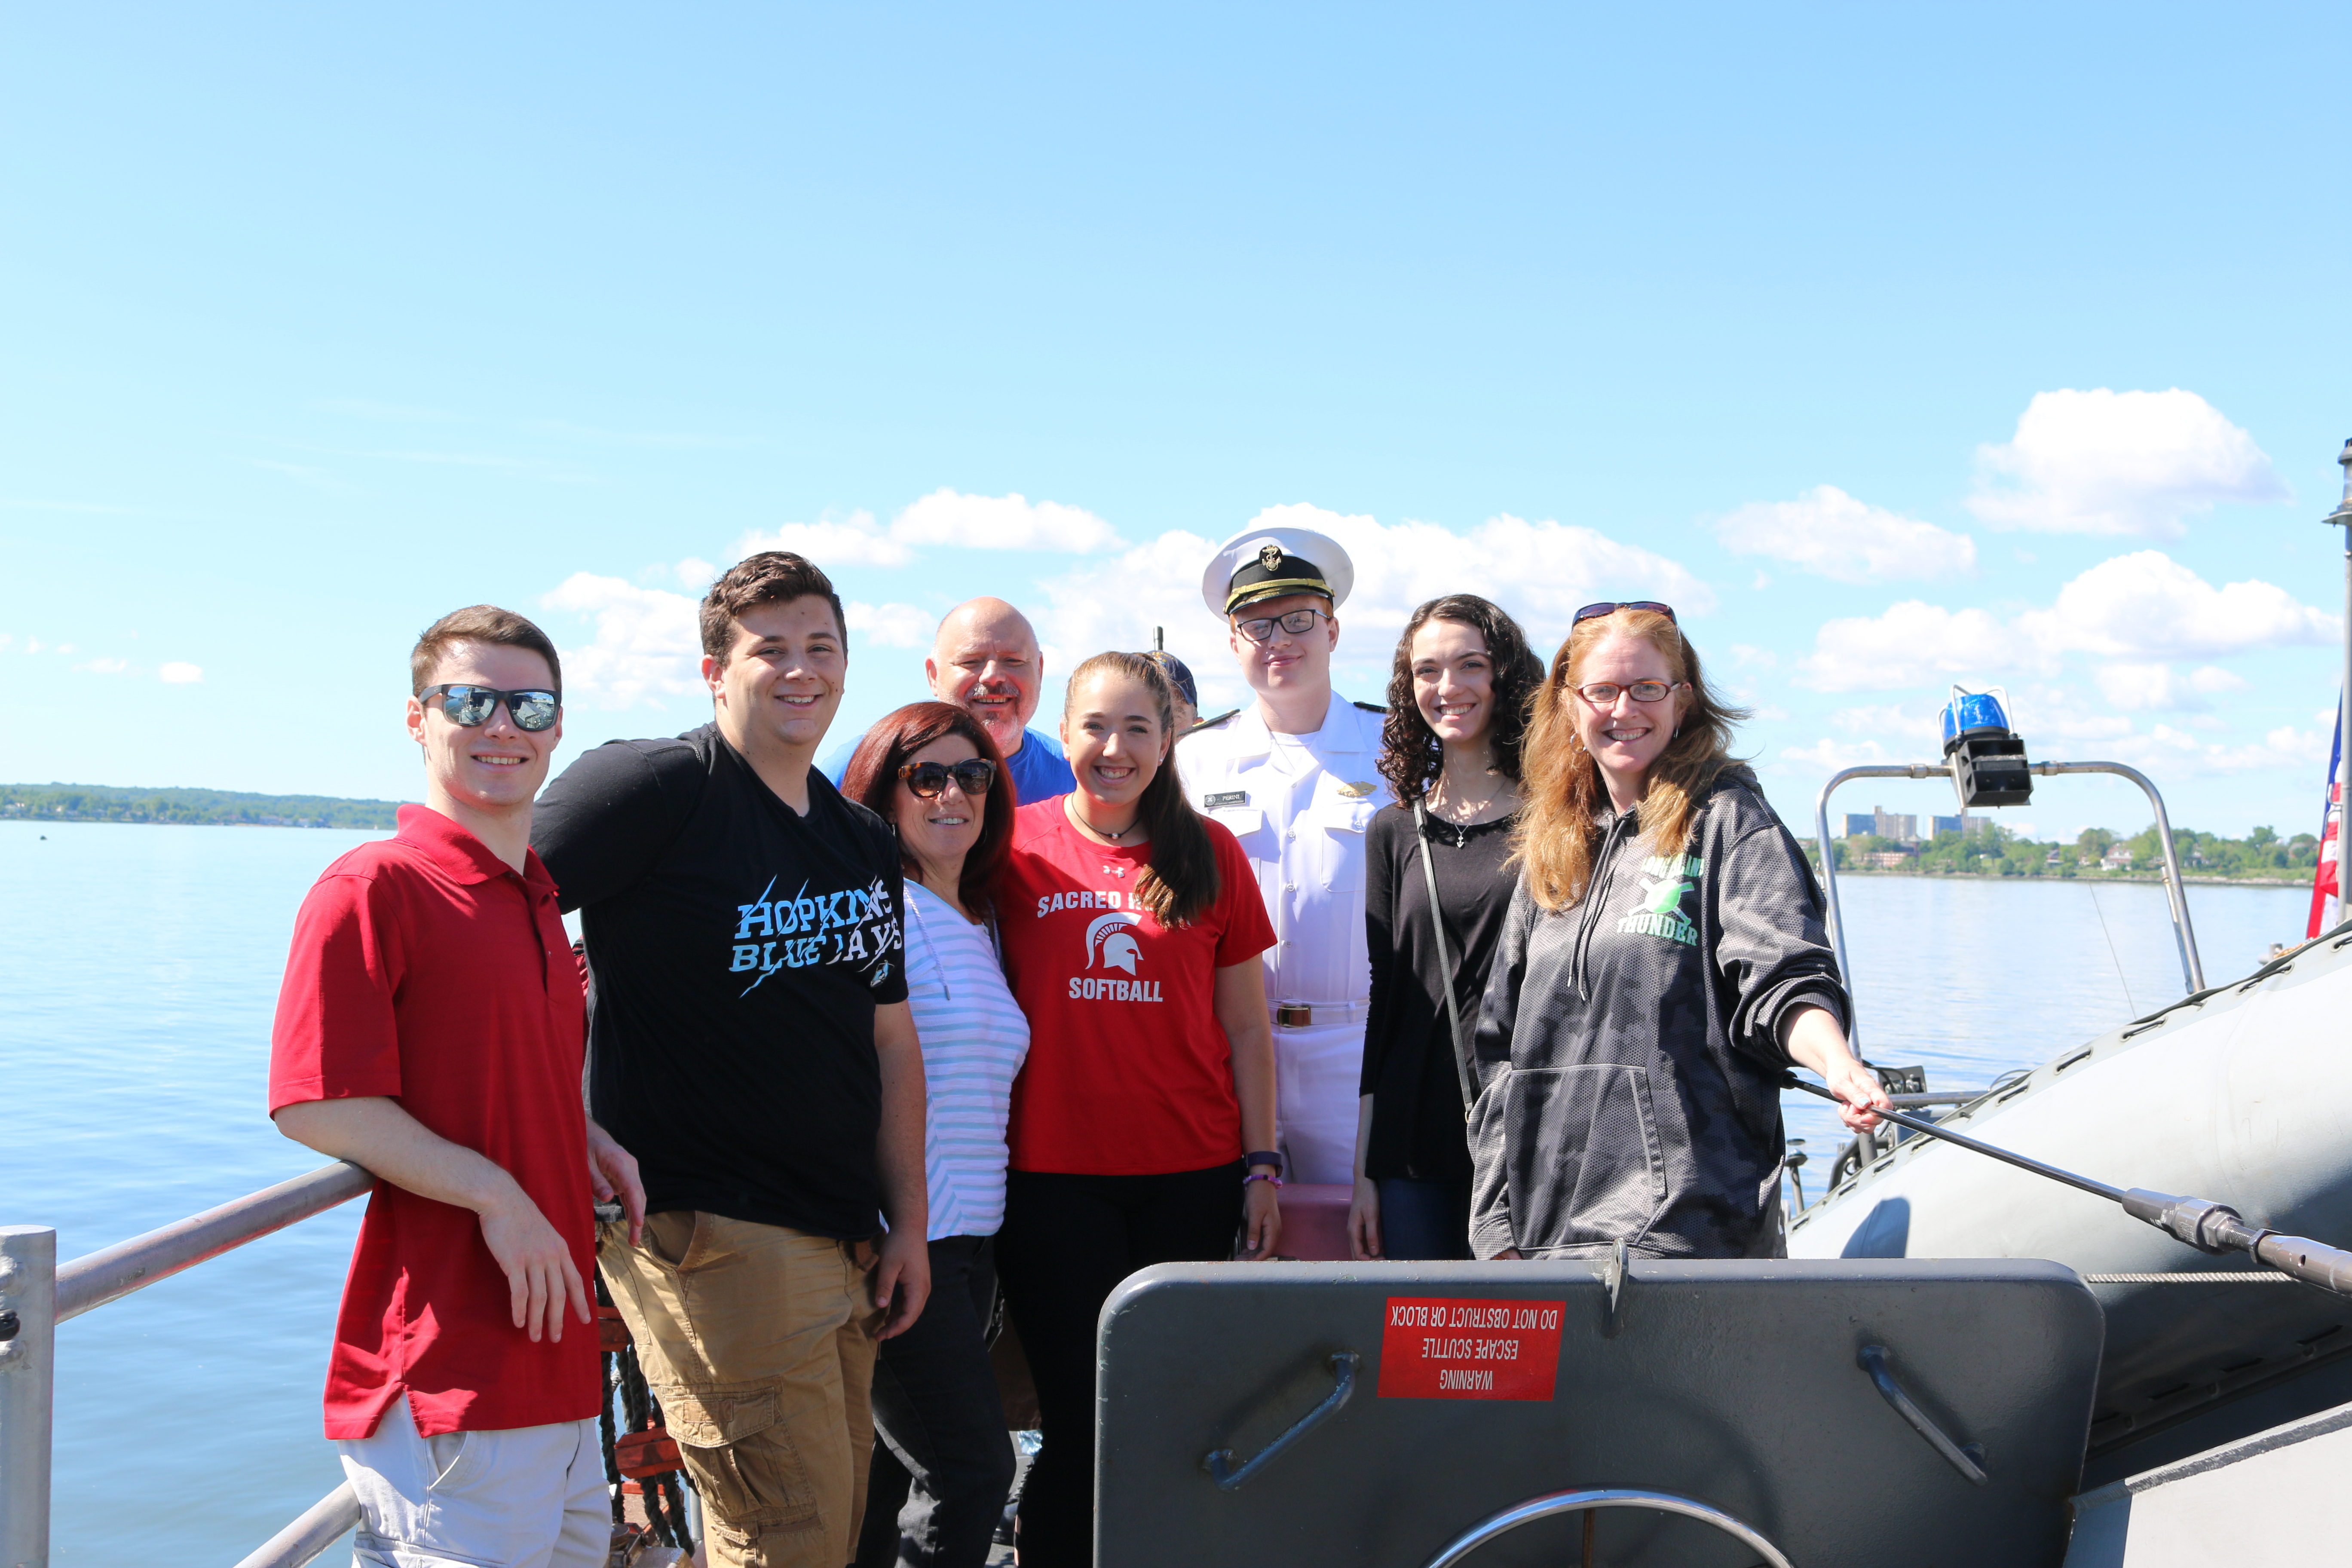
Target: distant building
[
  {"x": 1858, "y": 823},
  {"x": 1964, "y": 825},
  {"x": 2118, "y": 858},
  {"x": 1888, "y": 860},
  {"x": 1903, "y": 828}
]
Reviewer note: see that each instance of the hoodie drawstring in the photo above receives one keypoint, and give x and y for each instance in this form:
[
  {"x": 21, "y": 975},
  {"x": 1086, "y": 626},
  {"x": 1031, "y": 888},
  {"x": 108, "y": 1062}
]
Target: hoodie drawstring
[{"x": 1596, "y": 893}]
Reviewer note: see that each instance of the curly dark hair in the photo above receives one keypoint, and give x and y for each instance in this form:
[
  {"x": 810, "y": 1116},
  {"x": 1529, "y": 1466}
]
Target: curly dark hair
[{"x": 1411, "y": 754}]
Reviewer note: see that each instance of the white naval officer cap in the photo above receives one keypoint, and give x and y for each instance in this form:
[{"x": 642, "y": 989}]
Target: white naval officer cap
[{"x": 1267, "y": 563}]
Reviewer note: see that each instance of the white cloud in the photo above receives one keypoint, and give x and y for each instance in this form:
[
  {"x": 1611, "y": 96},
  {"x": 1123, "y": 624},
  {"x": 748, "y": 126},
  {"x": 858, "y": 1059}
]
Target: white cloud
[
  {"x": 1914, "y": 644},
  {"x": 853, "y": 542},
  {"x": 1002, "y": 522},
  {"x": 2144, "y": 606},
  {"x": 1541, "y": 572},
  {"x": 2158, "y": 688},
  {"x": 107, "y": 666},
  {"x": 1828, "y": 756},
  {"x": 2119, "y": 462},
  {"x": 891, "y": 626},
  {"x": 944, "y": 517},
  {"x": 1886, "y": 719},
  {"x": 1828, "y": 531},
  {"x": 178, "y": 673},
  {"x": 2179, "y": 754},
  {"x": 2148, "y": 605},
  {"x": 647, "y": 645},
  {"x": 695, "y": 575}
]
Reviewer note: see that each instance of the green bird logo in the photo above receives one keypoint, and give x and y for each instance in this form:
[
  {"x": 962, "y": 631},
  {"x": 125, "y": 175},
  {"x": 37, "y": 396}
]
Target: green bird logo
[{"x": 1664, "y": 894}]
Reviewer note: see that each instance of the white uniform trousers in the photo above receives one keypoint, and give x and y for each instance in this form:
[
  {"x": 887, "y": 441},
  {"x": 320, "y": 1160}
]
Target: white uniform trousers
[{"x": 1318, "y": 1071}]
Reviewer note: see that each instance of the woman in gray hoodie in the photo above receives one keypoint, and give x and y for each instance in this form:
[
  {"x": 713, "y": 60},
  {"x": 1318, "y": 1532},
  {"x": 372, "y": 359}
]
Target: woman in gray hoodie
[{"x": 1664, "y": 963}]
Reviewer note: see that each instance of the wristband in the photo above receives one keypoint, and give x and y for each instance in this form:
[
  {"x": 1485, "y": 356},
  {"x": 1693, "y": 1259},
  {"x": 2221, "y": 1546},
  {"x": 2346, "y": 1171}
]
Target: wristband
[
  {"x": 1265, "y": 1157},
  {"x": 1262, "y": 1177}
]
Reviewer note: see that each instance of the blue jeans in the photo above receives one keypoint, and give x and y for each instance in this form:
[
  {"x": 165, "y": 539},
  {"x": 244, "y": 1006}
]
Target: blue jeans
[{"x": 1424, "y": 1217}]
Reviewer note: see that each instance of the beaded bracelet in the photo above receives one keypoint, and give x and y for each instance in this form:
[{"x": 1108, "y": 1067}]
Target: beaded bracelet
[{"x": 1262, "y": 1177}]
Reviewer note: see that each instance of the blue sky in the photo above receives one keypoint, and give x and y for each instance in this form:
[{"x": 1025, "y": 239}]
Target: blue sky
[{"x": 1896, "y": 347}]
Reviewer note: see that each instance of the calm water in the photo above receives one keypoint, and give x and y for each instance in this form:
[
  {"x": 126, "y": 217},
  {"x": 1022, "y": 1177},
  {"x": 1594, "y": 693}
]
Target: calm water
[{"x": 138, "y": 969}]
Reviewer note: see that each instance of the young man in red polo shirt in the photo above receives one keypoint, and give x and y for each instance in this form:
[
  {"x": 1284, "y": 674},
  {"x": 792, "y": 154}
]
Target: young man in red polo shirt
[{"x": 431, "y": 1029}]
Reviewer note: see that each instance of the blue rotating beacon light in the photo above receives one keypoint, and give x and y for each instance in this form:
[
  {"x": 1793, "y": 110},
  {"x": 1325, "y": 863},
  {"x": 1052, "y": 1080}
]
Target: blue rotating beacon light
[{"x": 1986, "y": 758}]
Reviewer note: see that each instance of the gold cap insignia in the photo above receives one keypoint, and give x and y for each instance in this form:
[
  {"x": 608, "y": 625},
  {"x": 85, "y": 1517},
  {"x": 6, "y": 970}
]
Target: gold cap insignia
[
  {"x": 1358, "y": 790},
  {"x": 1269, "y": 556}
]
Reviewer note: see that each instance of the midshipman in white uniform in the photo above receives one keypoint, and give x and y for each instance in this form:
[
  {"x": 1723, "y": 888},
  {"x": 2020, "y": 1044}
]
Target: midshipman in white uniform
[{"x": 1292, "y": 775}]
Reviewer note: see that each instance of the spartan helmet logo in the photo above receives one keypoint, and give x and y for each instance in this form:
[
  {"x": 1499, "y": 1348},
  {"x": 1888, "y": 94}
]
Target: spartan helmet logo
[
  {"x": 1108, "y": 938},
  {"x": 1269, "y": 557}
]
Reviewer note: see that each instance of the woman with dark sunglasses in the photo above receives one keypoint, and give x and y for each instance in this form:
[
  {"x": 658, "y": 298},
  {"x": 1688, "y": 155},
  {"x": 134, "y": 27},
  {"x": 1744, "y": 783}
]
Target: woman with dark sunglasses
[
  {"x": 1664, "y": 963},
  {"x": 941, "y": 1465}
]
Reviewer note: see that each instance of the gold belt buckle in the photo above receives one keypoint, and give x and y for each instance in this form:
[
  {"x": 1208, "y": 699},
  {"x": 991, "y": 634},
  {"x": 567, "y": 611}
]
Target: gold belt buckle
[{"x": 1294, "y": 1015}]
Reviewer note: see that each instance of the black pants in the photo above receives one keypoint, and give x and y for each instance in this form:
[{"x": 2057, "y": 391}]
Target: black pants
[
  {"x": 942, "y": 1459},
  {"x": 1067, "y": 1242}
]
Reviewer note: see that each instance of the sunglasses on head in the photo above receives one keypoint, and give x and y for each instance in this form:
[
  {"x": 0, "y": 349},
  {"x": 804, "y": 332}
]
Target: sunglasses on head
[
  {"x": 973, "y": 776},
  {"x": 1591, "y": 612},
  {"x": 469, "y": 706}
]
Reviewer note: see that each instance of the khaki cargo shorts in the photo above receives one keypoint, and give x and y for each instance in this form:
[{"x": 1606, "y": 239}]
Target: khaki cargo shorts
[{"x": 758, "y": 1339}]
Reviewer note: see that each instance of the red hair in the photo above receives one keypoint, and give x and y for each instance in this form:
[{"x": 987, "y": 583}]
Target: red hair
[{"x": 872, "y": 781}]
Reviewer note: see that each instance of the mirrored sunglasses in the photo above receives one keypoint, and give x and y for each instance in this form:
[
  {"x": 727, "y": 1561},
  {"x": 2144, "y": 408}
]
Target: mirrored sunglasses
[
  {"x": 469, "y": 705},
  {"x": 973, "y": 776}
]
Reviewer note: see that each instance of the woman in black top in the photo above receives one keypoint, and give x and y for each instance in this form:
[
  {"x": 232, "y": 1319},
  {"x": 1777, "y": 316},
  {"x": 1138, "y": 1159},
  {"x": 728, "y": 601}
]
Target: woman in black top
[{"x": 1457, "y": 705}]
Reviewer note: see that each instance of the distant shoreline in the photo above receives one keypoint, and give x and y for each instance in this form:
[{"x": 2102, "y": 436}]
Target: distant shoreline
[
  {"x": 191, "y": 807},
  {"x": 2105, "y": 879}
]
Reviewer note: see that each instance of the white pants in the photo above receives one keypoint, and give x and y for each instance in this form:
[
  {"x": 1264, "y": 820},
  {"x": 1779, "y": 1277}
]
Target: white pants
[
  {"x": 1317, "y": 1073},
  {"x": 527, "y": 1497}
]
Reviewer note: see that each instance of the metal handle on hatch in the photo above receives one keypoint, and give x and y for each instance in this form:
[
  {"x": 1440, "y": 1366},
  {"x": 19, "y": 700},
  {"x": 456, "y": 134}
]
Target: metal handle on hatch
[
  {"x": 1968, "y": 1460},
  {"x": 1219, "y": 1462},
  {"x": 1534, "y": 1508}
]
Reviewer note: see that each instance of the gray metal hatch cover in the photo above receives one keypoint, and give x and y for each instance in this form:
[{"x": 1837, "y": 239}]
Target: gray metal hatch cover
[{"x": 1846, "y": 1410}]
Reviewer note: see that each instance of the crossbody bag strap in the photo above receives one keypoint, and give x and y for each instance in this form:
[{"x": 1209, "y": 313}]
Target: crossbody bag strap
[{"x": 1468, "y": 1079}]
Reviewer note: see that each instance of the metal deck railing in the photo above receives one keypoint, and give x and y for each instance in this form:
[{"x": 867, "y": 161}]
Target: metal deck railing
[{"x": 36, "y": 1295}]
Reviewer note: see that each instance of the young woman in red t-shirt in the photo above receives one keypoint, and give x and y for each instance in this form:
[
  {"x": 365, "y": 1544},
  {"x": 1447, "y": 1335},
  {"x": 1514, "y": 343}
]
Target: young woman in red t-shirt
[{"x": 1133, "y": 928}]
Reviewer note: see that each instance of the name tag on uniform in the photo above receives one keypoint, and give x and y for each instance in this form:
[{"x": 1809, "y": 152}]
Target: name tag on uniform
[{"x": 1230, "y": 797}]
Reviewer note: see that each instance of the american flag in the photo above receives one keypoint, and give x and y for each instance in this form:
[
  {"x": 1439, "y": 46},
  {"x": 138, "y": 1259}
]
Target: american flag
[{"x": 2327, "y": 879}]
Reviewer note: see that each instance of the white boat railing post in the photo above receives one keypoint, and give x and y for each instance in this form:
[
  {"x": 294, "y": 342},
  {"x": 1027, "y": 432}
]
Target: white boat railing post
[
  {"x": 2193, "y": 968},
  {"x": 1829, "y": 869},
  {"x": 2342, "y": 518},
  {"x": 28, "y": 1323}
]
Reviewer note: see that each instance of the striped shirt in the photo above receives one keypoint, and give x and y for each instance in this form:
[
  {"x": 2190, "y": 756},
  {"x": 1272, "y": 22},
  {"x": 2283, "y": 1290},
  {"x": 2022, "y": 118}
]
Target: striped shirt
[{"x": 973, "y": 1038}]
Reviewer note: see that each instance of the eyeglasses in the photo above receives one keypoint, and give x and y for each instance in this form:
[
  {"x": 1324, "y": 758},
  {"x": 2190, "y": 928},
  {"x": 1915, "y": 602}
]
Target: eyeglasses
[
  {"x": 973, "y": 776},
  {"x": 1590, "y": 612},
  {"x": 469, "y": 706},
  {"x": 1604, "y": 693},
  {"x": 1297, "y": 623}
]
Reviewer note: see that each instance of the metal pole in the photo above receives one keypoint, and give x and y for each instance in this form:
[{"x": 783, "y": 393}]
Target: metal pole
[
  {"x": 321, "y": 1524},
  {"x": 28, "y": 1281},
  {"x": 113, "y": 1272},
  {"x": 2341, "y": 516},
  {"x": 1829, "y": 870},
  {"x": 2193, "y": 968}
]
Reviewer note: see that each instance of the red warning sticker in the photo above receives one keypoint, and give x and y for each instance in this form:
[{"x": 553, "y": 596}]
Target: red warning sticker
[{"x": 1438, "y": 1347}]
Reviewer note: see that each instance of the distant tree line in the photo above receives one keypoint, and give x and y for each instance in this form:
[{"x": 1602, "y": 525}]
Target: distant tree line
[
  {"x": 1995, "y": 851},
  {"x": 210, "y": 808}
]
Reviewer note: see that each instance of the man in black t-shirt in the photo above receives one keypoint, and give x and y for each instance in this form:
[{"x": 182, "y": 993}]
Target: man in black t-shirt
[{"x": 749, "y": 1042}]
